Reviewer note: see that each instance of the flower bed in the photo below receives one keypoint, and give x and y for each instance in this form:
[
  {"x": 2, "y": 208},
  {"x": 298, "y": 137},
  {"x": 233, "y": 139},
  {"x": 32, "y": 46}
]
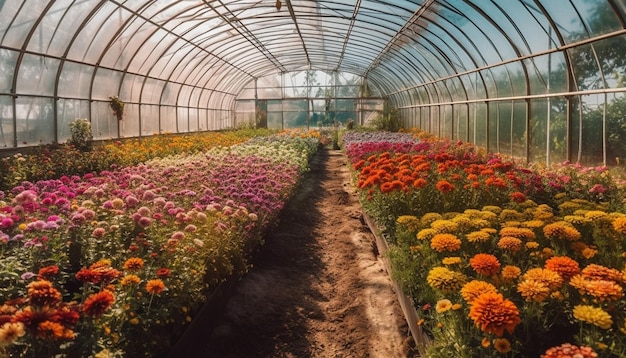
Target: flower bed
[
  {"x": 499, "y": 259},
  {"x": 118, "y": 263}
]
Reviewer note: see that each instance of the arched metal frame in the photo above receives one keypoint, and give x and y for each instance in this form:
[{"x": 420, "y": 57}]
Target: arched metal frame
[{"x": 465, "y": 69}]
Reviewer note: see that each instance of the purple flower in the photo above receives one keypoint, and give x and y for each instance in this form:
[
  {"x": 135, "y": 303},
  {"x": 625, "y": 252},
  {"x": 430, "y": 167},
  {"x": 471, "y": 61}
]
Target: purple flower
[
  {"x": 6, "y": 223},
  {"x": 27, "y": 275}
]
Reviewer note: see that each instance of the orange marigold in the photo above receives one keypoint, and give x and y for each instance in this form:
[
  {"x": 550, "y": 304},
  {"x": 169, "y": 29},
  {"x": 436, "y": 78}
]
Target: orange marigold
[
  {"x": 133, "y": 264},
  {"x": 601, "y": 290},
  {"x": 533, "y": 291},
  {"x": 42, "y": 293},
  {"x": 50, "y": 330},
  {"x": 561, "y": 230},
  {"x": 155, "y": 286},
  {"x": 475, "y": 288},
  {"x": 563, "y": 265},
  {"x": 485, "y": 264},
  {"x": 510, "y": 243},
  {"x": 493, "y": 314},
  {"x": 130, "y": 280},
  {"x": 502, "y": 345},
  {"x": 510, "y": 272},
  {"x": 444, "y": 186},
  {"x": 619, "y": 225},
  {"x": 549, "y": 278},
  {"x": 599, "y": 272},
  {"x": 96, "y": 304},
  {"x": 445, "y": 242},
  {"x": 518, "y": 232}
]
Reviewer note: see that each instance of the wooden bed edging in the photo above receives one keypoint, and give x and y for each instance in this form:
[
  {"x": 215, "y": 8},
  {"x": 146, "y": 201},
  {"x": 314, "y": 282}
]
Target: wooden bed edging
[{"x": 406, "y": 303}]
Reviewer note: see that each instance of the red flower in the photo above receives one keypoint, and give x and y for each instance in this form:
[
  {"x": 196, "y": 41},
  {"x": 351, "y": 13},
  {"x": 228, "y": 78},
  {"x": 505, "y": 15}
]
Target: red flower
[
  {"x": 518, "y": 197},
  {"x": 485, "y": 264},
  {"x": 96, "y": 304},
  {"x": 444, "y": 186},
  {"x": 46, "y": 273},
  {"x": 163, "y": 272}
]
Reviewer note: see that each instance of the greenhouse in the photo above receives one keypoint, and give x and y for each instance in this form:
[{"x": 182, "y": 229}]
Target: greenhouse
[{"x": 155, "y": 155}]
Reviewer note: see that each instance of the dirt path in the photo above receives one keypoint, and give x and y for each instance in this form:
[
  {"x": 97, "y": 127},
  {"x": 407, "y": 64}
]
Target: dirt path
[{"x": 318, "y": 288}]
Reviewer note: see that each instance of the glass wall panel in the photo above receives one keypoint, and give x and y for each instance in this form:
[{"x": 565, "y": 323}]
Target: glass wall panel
[
  {"x": 35, "y": 121},
  {"x": 479, "y": 112},
  {"x": 150, "y": 120},
  {"x": 538, "y": 130},
  {"x": 447, "y": 129},
  {"x": 69, "y": 110},
  {"x": 616, "y": 128},
  {"x": 7, "y": 69},
  {"x": 75, "y": 80},
  {"x": 183, "y": 119},
  {"x": 518, "y": 132},
  {"x": 566, "y": 18},
  {"x": 95, "y": 37},
  {"x": 104, "y": 124},
  {"x": 131, "y": 88},
  {"x": 586, "y": 70},
  {"x": 42, "y": 36},
  {"x": 129, "y": 126},
  {"x": 461, "y": 123},
  {"x": 152, "y": 90},
  {"x": 26, "y": 14},
  {"x": 493, "y": 126},
  {"x": 193, "y": 119},
  {"x": 505, "y": 127},
  {"x": 73, "y": 16},
  {"x": 610, "y": 52},
  {"x": 37, "y": 75},
  {"x": 106, "y": 84},
  {"x": 558, "y": 130},
  {"x": 168, "y": 119},
  {"x": 170, "y": 93},
  {"x": 598, "y": 16},
  {"x": 593, "y": 123},
  {"x": 6, "y": 122}
]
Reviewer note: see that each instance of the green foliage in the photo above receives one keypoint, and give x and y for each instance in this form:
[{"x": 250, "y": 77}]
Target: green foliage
[
  {"x": 117, "y": 105},
  {"x": 80, "y": 130},
  {"x": 389, "y": 120}
]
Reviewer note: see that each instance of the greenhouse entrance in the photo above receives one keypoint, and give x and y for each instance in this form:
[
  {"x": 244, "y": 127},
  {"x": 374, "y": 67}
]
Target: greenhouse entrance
[{"x": 307, "y": 99}]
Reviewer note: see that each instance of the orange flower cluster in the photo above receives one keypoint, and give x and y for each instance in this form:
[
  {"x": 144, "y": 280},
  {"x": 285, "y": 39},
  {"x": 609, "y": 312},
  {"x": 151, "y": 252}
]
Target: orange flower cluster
[
  {"x": 561, "y": 230},
  {"x": 600, "y": 290},
  {"x": 100, "y": 272},
  {"x": 563, "y": 265},
  {"x": 475, "y": 288},
  {"x": 494, "y": 314},
  {"x": 98, "y": 303}
]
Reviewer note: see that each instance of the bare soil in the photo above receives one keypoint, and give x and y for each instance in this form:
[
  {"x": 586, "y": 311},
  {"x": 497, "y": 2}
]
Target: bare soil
[{"x": 318, "y": 287}]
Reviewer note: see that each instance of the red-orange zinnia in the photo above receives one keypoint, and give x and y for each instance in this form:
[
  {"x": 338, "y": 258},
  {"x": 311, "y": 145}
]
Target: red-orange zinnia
[
  {"x": 96, "y": 304},
  {"x": 485, "y": 264},
  {"x": 493, "y": 314}
]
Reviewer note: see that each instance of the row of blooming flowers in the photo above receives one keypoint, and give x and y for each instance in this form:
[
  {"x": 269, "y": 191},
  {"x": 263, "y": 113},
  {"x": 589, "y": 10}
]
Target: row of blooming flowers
[
  {"x": 116, "y": 264},
  {"x": 500, "y": 259},
  {"x": 54, "y": 161}
]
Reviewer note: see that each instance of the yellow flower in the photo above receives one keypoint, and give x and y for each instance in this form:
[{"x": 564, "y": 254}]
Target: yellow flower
[
  {"x": 475, "y": 288},
  {"x": 445, "y": 279},
  {"x": 479, "y": 223},
  {"x": 561, "y": 230},
  {"x": 428, "y": 218},
  {"x": 502, "y": 345},
  {"x": 531, "y": 245},
  {"x": 454, "y": 260},
  {"x": 510, "y": 243},
  {"x": 445, "y": 242},
  {"x": 492, "y": 208},
  {"x": 444, "y": 226},
  {"x": 595, "y": 215},
  {"x": 588, "y": 252},
  {"x": 10, "y": 332},
  {"x": 443, "y": 305},
  {"x": 409, "y": 222},
  {"x": 533, "y": 224},
  {"x": 426, "y": 234},
  {"x": 576, "y": 219},
  {"x": 619, "y": 225},
  {"x": 130, "y": 280},
  {"x": 594, "y": 315},
  {"x": 477, "y": 236}
]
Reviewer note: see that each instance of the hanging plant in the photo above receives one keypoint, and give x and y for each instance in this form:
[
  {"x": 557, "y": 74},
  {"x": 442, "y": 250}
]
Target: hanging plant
[{"x": 117, "y": 105}]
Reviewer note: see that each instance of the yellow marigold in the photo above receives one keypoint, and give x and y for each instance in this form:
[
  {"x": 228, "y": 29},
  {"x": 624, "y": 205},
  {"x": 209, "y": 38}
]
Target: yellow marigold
[
  {"x": 599, "y": 272},
  {"x": 511, "y": 215},
  {"x": 480, "y": 223},
  {"x": 511, "y": 224},
  {"x": 453, "y": 260},
  {"x": 444, "y": 226},
  {"x": 478, "y": 236},
  {"x": 445, "y": 242},
  {"x": 129, "y": 280},
  {"x": 475, "y": 288},
  {"x": 488, "y": 216},
  {"x": 489, "y": 230},
  {"x": 510, "y": 272},
  {"x": 533, "y": 291},
  {"x": 565, "y": 266},
  {"x": 619, "y": 225},
  {"x": 445, "y": 280},
  {"x": 561, "y": 230},
  {"x": 428, "y": 218},
  {"x": 533, "y": 224},
  {"x": 595, "y": 215},
  {"x": 42, "y": 293},
  {"x": 594, "y": 315},
  {"x": 518, "y": 232},
  {"x": 492, "y": 208},
  {"x": 502, "y": 345},
  {"x": 531, "y": 245},
  {"x": 510, "y": 243},
  {"x": 575, "y": 219},
  {"x": 485, "y": 264},
  {"x": 426, "y": 234},
  {"x": 549, "y": 278},
  {"x": 408, "y": 222},
  {"x": 493, "y": 314},
  {"x": 601, "y": 290},
  {"x": 462, "y": 220},
  {"x": 443, "y": 305},
  {"x": 569, "y": 207}
]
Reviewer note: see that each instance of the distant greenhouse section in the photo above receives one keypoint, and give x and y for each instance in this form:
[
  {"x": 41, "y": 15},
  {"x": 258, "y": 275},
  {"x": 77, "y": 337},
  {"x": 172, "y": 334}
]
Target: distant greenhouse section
[{"x": 541, "y": 80}]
